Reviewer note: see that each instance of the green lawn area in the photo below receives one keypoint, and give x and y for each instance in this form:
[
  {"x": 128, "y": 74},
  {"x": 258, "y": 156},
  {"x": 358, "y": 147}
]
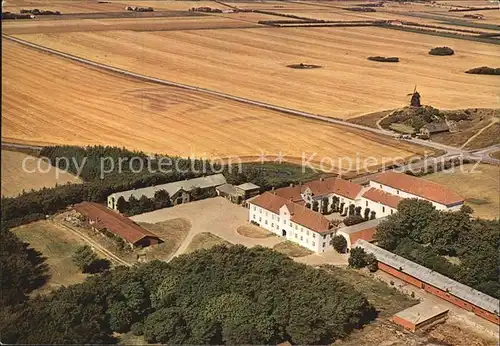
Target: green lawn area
[
  {"x": 172, "y": 232},
  {"x": 477, "y": 185},
  {"x": 57, "y": 245},
  {"x": 402, "y": 128},
  {"x": 204, "y": 240},
  {"x": 292, "y": 249}
]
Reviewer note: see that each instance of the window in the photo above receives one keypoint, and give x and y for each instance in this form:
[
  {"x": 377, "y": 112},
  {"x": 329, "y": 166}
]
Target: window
[
  {"x": 324, "y": 236},
  {"x": 392, "y": 211},
  {"x": 324, "y": 244},
  {"x": 272, "y": 217},
  {"x": 266, "y": 222},
  {"x": 260, "y": 210},
  {"x": 397, "y": 191},
  {"x": 383, "y": 209},
  {"x": 290, "y": 224},
  {"x": 296, "y": 227},
  {"x": 313, "y": 244},
  {"x": 301, "y": 238},
  {"x": 367, "y": 203},
  {"x": 266, "y": 213},
  {"x": 254, "y": 216},
  {"x": 277, "y": 226},
  {"x": 260, "y": 219},
  {"x": 278, "y": 219},
  {"x": 314, "y": 235},
  {"x": 380, "y": 185},
  {"x": 254, "y": 208},
  {"x": 307, "y": 232},
  {"x": 272, "y": 225},
  {"x": 296, "y": 236}
]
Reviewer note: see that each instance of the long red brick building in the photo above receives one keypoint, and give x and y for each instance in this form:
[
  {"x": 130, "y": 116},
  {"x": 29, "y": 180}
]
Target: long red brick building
[{"x": 437, "y": 284}]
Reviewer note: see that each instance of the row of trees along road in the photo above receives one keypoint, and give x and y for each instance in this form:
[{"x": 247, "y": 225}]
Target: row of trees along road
[
  {"x": 225, "y": 295},
  {"x": 451, "y": 243}
]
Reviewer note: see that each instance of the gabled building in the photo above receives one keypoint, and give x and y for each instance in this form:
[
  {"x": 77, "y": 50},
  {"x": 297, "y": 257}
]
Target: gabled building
[
  {"x": 307, "y": 193},
  {"x": 293, "y": 221},
  {"x": 105, "y": 221},
  {"x": 179, "y": 191},
  {"x": 406, "y": 186}
]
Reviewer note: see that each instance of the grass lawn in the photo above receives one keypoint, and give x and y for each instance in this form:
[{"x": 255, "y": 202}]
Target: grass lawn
[
  {"x": 58, "y": 246},
  {"x": 292, "y": 249},
  {"x": 402, "y": 128},
  {"x": 479, "y": 187},
  {"x": 371, "y": 119},
  {"x": 204, "y": 240},
  {"x": 252, "y": 231},
  {"x": 172, "y": 232}
]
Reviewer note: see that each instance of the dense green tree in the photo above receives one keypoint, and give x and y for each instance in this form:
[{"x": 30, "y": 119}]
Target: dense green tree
[
  {"x": 23, "y": 269},
  {"x": 315, "y": 206},
  {"x": 324, "y": 205},
  {"x": 120, "y": 316},
  {"x": 367, "y": 213},
  {"x": 335, "y": 204},
  {"x": 357, "y": 257},
  {"x": 84, "y": 257},
  {"x": 352, "y": 209},
  {"x": 122, "y": 205},
  {"x": 339, "y": 243}
]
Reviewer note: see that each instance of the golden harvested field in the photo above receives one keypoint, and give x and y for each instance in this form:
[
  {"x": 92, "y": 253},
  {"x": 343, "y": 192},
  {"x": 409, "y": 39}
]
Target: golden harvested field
[
  {"x": 172, "y": 5},
  {"x": 139, "y": 24},
  {"x": 347, "y": 85},
  {"x": 478, "y": 185},
  {"x": 52, "y": 100},
  {"x": 65, "y": 7},
  {"x": 34, "y": 174}
]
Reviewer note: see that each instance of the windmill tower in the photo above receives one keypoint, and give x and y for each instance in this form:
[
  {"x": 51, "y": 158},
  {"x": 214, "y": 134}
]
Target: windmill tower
[{"x": 415, "y": 98}]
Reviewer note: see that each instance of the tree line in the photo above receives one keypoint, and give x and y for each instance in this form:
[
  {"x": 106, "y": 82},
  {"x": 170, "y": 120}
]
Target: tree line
[
  {"x": 99, "y": 167},
  {"x": 452, "y": 243},
  {"x": 225, "y": 295}
]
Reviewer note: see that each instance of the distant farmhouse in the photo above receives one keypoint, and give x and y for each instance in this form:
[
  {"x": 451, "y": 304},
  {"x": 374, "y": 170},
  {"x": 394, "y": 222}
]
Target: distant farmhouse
[
  {"x": 107, "y": 222},
  {"x": 288, "y": 211},
  {"x": 179, "y": 191},
  {"x": 431, "y": 128}
]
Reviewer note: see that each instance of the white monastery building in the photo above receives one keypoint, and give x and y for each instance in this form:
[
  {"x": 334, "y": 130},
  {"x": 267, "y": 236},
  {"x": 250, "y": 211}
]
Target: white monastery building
[{"x": 287, "y": 211}]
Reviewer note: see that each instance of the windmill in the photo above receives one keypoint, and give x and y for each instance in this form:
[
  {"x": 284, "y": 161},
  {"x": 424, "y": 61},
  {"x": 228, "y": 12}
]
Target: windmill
[{"x": 415, "y": 98}]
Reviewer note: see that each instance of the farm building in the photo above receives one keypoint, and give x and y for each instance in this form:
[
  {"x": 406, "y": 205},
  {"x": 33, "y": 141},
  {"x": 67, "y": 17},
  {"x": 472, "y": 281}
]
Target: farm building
[
  {"x": 179, "y": 191},
  {"x": 105, "y": 221},
  {"x": 419, "y": 316},
  {"x": 238, "y": 193},
  {"x": 291, "y": 220},
  {"x": 431, "y": 128},
  {"x": 380, "y": 202},
  {"x": 439, "y": 285},
  {"x": 406, "y": 186},
  {"x": 364, "y": 230}
]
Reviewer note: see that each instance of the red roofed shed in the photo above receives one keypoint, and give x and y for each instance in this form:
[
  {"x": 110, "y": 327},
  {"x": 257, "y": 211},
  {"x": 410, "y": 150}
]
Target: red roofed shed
[{"x": 102, "y": 218}]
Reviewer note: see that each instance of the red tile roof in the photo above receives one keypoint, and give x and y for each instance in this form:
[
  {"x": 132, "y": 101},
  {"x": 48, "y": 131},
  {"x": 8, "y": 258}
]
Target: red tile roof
[
  {"x": 120, "y": 225},
  {"x": 290, "y": 193},
  {"x": 419, "y": 187},
  {"x": 382, "y": 197},
  {"x": 299, "y": 214}
]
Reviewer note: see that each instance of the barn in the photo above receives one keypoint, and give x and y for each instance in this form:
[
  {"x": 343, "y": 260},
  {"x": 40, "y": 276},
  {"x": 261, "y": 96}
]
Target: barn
[
  {"x": 432, "y": 282},
  {"x": 105, "y": 221}
]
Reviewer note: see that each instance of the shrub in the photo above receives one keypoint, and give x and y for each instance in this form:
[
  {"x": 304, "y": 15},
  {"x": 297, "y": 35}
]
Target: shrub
[
  {"x": 137, "y": 328},
  {"x": 353, "y": 220},
  {"x": 484, "y": 70},
  {"x": 384, "y": 59},
  {"x": 339, "y": 243},
  {"x": 441, "y": 51}
]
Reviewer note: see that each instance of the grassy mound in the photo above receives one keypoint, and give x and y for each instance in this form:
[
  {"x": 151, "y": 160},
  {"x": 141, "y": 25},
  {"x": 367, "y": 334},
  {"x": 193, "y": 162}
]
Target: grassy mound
[
  {"x": 384, "y": 59},
  {"x": 484, "y": 70},
  {"x": 413, "y": 117},
  {"x": 441, "y": 51}
]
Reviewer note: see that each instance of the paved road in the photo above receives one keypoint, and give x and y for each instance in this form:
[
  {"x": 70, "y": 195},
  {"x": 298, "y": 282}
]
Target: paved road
[{"x": 448, "y": 149}]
